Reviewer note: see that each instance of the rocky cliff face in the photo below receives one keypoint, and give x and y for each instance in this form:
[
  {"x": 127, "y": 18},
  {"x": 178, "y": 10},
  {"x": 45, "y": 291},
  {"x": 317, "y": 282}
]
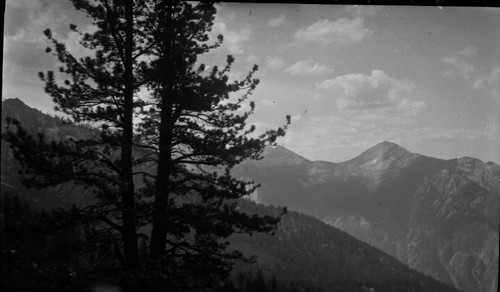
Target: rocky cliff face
[{"x": 438, "y": 216}]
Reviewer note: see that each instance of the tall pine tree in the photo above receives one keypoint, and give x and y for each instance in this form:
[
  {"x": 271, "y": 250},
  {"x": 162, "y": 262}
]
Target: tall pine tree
[
  {"x": 199, "y": 137},
  {"x": 97, "y": 90},
  {"x": 162, "y": 156}
]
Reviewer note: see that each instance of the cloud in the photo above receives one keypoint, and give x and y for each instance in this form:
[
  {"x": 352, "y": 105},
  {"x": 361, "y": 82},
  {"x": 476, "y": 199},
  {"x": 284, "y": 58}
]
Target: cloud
[
  {"x": 24, "y": 48},
  {"x": 274, "y": 63},
  {"x": 376, "y": 93},
  {"x": 460, "y": 63},
  {"x": 459, "y": 66},
  {"x": 233, "y": 39},
  {"x": 362, "y": 10},
  {"x": 341, "y": 31},
  {"x": 307, "y": 68},
  {"x": 490, "y": 83},
  {"x": 251, "y": 58},
  {"x": 273, "y": 22},
  {"x": 468, "y": 51},
  {"x": 39, "y": 20}
]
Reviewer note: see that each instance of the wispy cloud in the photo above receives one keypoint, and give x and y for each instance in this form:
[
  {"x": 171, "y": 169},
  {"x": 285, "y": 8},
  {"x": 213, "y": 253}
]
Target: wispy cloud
[
  {"x": 273, "y": 22},
  {"x": 251, "y": 58},
  {"x": 490, "y": 83},
  {"x": 307, "y": 68},
  {"x": 274, "y": 63},
  {"x": 340, "y": 31},
  {"x": 233, "y": 38},
  {"x": 461, "y": 66},
  {"x": 468, "y": 51},
  {"x": 375, "y": 93},
  {"x": 39, "y": 20}
]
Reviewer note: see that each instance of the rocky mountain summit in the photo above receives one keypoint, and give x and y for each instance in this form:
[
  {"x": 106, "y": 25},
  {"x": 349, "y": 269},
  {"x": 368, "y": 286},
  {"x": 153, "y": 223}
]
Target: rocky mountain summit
[{"x": 440, "y": 217}]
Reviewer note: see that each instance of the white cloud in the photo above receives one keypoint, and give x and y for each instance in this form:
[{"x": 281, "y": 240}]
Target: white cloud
[
  {"x": 233, "y": 39},
  {"x": 72, "y": 42},
  {"x": 377, "y": 93},
  {"x": 39, "y": 20},
  {"x": 308, "y": 68},
  {"x": 341, "y": 31},
  {"x": 274, "y": 63},
  {"x": 459, "y": 66},
  {"x": 487, "y": 83},
  {"x": 273, "y": 22}
]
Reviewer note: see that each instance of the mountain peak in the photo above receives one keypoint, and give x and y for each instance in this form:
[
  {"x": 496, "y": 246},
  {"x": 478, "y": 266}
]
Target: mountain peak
[
  {"x": 281, "y": 155},
  {"x": 382, "y": 151},
  {"x": 382, "y": 160},
  {"x": 387, "y": 145},
  {"x": 15, "y": 104},
  {"x": 16, "y": 108}
]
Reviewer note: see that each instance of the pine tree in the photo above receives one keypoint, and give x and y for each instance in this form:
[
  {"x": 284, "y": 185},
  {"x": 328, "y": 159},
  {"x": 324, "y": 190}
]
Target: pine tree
[
  {"x": 182, "y": 135},
  {"x": 99, "y": 89},
  {"x": 199, "y": 137}
]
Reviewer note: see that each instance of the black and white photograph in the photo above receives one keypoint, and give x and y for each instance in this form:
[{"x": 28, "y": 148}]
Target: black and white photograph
[{"x": 168, "y": 145}]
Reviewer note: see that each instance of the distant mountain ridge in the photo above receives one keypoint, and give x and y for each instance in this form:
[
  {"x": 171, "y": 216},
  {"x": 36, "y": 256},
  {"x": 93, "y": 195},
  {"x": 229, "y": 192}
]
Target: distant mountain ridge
[{"x": 438, "y": 216}]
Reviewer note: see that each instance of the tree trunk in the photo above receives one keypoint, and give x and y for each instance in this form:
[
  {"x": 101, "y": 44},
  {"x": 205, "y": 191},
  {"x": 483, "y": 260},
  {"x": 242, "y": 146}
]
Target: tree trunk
[
  {"x": 160, "y": 225},
  {"x": 129, "y": 216}
]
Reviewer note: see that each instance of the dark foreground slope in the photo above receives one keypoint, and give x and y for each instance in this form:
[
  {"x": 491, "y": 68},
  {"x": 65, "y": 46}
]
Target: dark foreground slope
[
  {"x": 440, "y": 217},
  {"x": 306, "y": 254}
]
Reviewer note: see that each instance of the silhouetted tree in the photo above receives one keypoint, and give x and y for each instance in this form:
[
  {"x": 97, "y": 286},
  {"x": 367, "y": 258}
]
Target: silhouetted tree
[
  {"x": 99, "y": 89},
  {"x": 161, "y": 116}
]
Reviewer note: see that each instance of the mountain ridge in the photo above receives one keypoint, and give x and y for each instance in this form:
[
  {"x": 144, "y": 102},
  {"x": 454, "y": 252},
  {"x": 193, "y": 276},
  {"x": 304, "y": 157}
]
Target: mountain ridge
[{"x": 414, "y": 207}]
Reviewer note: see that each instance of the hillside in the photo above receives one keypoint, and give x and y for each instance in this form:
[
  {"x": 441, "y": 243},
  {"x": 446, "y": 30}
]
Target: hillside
[
  {"x": 54, "y": 128},
  {"x": 440, "y": 217},
  {"x": 306, "y": 254}
]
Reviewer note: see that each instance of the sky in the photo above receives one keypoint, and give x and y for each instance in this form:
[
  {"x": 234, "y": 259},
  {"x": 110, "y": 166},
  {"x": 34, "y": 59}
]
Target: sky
[{"x": 426, "y": 78}]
